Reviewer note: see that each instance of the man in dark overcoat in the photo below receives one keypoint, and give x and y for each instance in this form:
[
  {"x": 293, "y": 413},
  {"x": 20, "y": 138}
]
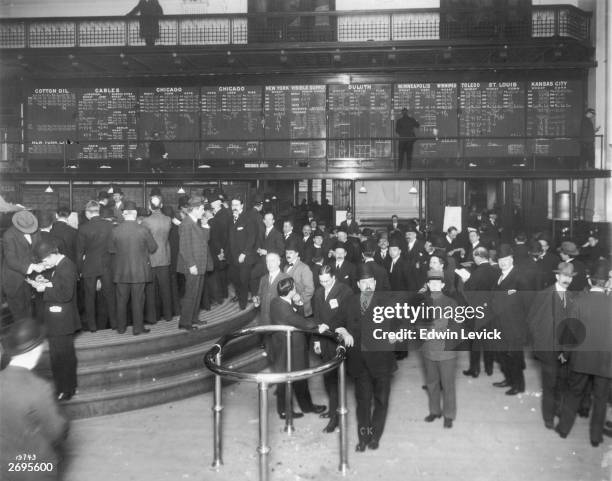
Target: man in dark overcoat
[{"x": 131, "y": 244}]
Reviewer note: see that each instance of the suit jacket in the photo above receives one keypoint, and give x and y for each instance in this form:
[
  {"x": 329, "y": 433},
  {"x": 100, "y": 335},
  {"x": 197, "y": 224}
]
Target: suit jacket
[
  {"x": 381, "y": 276},
  {"x": 243, "y": 238},
  {"x": 549, "y": 263},
  {"x": 304, "y": 245},
  {"x": 521, "y": 253},
  {"x": 273, "y": 242},
  {"x": 544, "y": 318},
  {"x": 219, "y": 235},
  {"x": 282, "y": 313},
  {"x": 267, "y": 292},
  {"x": 352, "y": 229},
  {"x": 579, "y": 282},
  {"x": 383, "y": 261},
  {"x": 304, "y": 284},
  {"x": 326, "y": 310},
  {"x": 510, "y": 302},
  {"x": 131, "y": 243},
  {"x": 399, "y": 229},
  {"x": 402, "y": 277},
  {"x": 68, "y": 235},
  {"x": 193, "y": 246},
  {"x": 347, "y": 273},
  {"x": 379, "y": 359},
  {"x": 440, "y": 349},
  {"x": 159, "y": 226},
  {"x": 61, "y": 315},
  {"x": 594, "y": 355},
  {"x": 311, "y": 251},
  {"x": 93, "y": 238},
  {"x": 477, "y": 290},
  {"x": 17, "y": 257}
]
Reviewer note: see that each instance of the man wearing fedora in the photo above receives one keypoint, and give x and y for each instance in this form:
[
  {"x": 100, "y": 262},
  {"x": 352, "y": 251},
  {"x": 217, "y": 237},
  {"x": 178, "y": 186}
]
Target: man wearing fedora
[
  {"x": 550, "y": 308},
  {"x": 510, "y": 301},
  {"x": 30, "y": 421},
  {"x": 18, "y": 262},
  {"x": 568, "y": 252},
  {"x": 592, "y": 358},
  {"x": 131, "y": 244}
]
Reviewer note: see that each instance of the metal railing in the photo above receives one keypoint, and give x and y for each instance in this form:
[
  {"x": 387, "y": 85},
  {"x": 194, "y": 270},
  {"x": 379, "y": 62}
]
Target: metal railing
[
  {"x": 213, "y": 361},
  {"x": 527, "y": 153},
  {"x": 563, "y": 21}
]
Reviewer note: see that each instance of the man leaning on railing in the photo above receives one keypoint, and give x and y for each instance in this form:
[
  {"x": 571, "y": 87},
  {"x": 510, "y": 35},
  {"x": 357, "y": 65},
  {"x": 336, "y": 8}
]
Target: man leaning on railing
[{"x": 150, "y": 11}]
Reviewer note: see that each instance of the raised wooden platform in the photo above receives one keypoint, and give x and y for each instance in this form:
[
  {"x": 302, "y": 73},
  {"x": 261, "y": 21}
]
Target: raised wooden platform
[{"x": 122, "y": 372}]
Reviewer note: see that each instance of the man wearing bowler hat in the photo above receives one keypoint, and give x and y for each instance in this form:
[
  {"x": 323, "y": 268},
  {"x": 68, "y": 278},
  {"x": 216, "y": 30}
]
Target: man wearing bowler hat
[
  {"x": 592, "y": 358},
  {"x": 371, "y": 363},
  {"x": 550, "y": 308},
  {"x": 30, "y": 421},
  {"x": 131, "y": 243},
  {"x": 439, "y": 359},
  {"x": 18, "y": 262},
  {"x": 510, "y": 302},
  {"x": 568, "y": 253}
]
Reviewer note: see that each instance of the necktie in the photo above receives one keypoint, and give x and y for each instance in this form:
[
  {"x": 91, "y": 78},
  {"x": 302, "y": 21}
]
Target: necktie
[
  {"x": 392, "y": 265},
  {"x": 563, "y": 299}
]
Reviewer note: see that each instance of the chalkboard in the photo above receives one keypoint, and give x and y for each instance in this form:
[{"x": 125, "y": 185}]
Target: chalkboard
[
  {"x": 107, "y": 123},
  {"x": 434, "y": 106},
  {"x": 50, "y": 122},
  {"x": 231, "y": 121},
  {"x": 294, "y": 112},
  {"x": 492, "y": 109},
  {"x": 554, "y": 108},
  {"x": 174, "y": 113},
  {"x": 360, "y": 111}
]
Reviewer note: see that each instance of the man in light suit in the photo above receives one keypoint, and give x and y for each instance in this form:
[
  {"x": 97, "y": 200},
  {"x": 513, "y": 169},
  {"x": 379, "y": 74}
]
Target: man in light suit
[
  {"x": 131, "y": 243},
  {"x": 192, "y": 262},
  {"x": 301, "y": 274},
  {"x": 159, "y": 226}
]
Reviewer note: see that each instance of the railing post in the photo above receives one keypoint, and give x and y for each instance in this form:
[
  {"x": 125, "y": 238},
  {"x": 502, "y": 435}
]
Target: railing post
[
  {"x": 263, "y": 448},
  {"x": 289, "y": 391},
  {"x": 342, "y": 414},
  {"x": 217, "y": 411}
]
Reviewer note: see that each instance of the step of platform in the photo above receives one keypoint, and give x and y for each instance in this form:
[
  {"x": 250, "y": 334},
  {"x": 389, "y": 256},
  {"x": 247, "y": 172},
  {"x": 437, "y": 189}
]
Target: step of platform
[
  {"x": 156, "y": 391},
  {"x": 121, "y": 372}
]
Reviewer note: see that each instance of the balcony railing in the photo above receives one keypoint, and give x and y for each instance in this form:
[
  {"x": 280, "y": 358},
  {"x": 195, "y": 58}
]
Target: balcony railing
[
  {"x": 562, "y": 21},
  {"x": 305, "y": 155}
]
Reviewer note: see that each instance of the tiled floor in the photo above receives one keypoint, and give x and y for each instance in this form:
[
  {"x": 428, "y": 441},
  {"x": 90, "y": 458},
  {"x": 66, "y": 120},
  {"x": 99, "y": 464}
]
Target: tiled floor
[{"x": 495, "y": 437}]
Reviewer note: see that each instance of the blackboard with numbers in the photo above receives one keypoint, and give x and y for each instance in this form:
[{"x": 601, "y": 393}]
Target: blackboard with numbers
[
  {"x": 107, "y": 123},
  {"x": 295, "y": 118},
  {"x": 51, "y": 122},
  {"x": 173, "y": 112},
  {"x": 434, "y": 106},
  {"x": 231, "y": 121},
  {"x": 495, "y": 110},
  {"x": 359, "y": 121},
  {"x": 554, "y": 109}
]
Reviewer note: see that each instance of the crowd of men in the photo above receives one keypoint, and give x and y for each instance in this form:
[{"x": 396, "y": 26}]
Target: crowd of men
[{"x": 124, "y": 266}]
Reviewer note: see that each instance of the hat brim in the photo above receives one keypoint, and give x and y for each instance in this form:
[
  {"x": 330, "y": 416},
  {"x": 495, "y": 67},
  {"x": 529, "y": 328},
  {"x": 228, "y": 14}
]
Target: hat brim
[{"x": 557, "y": 271}]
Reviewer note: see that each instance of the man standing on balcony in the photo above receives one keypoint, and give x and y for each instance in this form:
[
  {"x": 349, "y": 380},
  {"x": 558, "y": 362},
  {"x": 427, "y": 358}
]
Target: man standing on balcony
[
  {"x": 150, "y": 11},
  {"x": 587, "y": 140},
  {"x": 404, "y": 128}
]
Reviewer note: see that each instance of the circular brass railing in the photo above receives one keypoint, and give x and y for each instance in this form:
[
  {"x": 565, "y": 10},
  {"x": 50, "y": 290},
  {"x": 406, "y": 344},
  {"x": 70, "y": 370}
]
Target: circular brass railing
[{"x": 213, "y": 361}]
